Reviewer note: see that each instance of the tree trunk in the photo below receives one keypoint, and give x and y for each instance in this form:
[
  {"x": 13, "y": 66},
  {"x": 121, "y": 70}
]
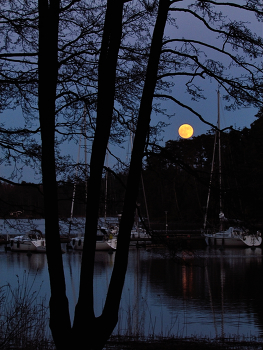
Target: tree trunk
[
  {"x": 89, "y": 331},
  {"x": 85, "y": 321},
  {"x": 48, "y": 71},
  {"x": 127, "y": 219},
  {"x": 102, "y": 326}
]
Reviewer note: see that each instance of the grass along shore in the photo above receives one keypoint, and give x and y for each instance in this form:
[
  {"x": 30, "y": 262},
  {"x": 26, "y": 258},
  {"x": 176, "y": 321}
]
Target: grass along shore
[{"x": 194, "y": 343}]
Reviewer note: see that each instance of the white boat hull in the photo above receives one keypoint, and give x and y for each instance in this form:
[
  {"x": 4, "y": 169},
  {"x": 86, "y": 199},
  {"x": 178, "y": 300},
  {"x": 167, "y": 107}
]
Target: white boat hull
[
  {"x": 27, "y": 244},
  {"x": 31, "y": 241},
  {"x": 106, "y": 245},
  {"x": 28, "y": 247},
  {"x": 233, "y": 237}
]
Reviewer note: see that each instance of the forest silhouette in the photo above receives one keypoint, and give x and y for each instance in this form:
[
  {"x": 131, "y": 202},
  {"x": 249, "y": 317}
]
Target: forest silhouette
[{"x": 175, "y": 180}]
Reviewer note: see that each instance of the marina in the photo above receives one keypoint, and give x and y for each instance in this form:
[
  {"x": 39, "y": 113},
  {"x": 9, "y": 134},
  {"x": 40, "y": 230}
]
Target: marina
[{"x": 208, "y": 292}]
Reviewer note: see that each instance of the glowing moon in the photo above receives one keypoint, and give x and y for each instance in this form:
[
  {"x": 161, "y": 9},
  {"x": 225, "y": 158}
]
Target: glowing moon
[{"x": 186, "y": 131}]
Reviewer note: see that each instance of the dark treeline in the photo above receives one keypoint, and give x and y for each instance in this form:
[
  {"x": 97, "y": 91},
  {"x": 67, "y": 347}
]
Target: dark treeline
[
  {"x": 175, "y": 180},
  {"x": 26, "y": 199}
]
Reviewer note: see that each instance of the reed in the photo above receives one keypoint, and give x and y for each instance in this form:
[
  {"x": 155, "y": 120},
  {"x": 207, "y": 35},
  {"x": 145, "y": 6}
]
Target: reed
[
  {"x": 134, "y": 318},
  {"x": 23, "y": 317}
]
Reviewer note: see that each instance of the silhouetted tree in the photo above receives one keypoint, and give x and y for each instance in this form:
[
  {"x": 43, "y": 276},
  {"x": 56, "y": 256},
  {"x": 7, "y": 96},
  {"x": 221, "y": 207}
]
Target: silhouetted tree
[
  {"x": 124, "y": 85},
  {"x": 100, "y": 327}
]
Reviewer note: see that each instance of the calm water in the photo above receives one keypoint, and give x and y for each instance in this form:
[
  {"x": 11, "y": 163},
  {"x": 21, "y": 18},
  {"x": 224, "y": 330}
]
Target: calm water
[{"x": 209, "y": 292}]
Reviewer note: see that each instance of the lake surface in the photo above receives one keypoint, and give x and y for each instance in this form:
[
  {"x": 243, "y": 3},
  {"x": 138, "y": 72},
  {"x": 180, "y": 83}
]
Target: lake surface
[{"x": 209, "y": 292}]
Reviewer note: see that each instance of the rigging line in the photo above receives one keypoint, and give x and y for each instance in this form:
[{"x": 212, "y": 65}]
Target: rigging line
[
  {"x": 217, "y": 132},
  {"x": 77, "y": 167},
  {"x": 145, "y": 202},
  {"x": 75, "y": 181},
  {"x": 210, "y": 181},
  {"x": 219, "y": 153},
  {"x": 85, "y": 151},
  {"x": 106, "y": 185}
]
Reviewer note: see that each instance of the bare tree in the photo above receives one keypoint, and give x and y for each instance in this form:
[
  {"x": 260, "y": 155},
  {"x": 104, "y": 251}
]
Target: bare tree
[{"x": 62, "y": 72}]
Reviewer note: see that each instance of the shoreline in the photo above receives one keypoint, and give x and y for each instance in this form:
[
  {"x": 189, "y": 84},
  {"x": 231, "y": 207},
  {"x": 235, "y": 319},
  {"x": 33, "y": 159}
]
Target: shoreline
[{"x": 193, "y": 343}]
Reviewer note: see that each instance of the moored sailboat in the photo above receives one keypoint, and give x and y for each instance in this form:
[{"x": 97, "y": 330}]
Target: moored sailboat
[
  {"x": 32, "y": 241},
  {"x": 232, "y": 236},
  {"x": 104, "y": 242}
]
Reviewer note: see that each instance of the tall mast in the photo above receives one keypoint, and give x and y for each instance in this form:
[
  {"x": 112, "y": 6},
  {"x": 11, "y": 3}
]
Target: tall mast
[
  {"x": 217, "y": 136},
  {"x": 83, "y": 132},
  {"x": 219, "y": 161},
  {"x": 106, "y": 186},
  {"x": 210, "y": 181},
  {"x": 75, "y": 181},
  {"x": 85, "y": 151}
]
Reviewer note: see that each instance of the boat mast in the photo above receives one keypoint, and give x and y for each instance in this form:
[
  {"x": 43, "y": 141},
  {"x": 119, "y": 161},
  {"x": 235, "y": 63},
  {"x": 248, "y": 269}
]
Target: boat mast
[
  {"x": 83, "y": 131},
  {"x": 106, "y": 186},
  {"x": 142, "y": 182},
  {"x": 85, "y": 151},
  {"x": 217, "y": 135},
  {"x": 210, "y": 182},
  {"x": 221, "y": 215},
  {"x": 75, "y": 181}
]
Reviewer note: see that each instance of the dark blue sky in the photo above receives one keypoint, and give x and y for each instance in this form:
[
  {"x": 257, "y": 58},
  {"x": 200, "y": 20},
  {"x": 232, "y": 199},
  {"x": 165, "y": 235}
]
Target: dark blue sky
[{"x": 189, "y": 29}]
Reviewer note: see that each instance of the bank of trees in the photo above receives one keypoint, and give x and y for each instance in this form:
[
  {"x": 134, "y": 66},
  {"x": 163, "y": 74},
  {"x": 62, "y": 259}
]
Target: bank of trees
[
  {"x": 175, "y": 178},
  {"x": 118, "y": 60}
]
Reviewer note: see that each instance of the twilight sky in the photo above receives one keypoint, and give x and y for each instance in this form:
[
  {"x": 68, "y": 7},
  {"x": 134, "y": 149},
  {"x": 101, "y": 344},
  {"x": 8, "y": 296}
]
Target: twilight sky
[{"x": 189, "y": 29}]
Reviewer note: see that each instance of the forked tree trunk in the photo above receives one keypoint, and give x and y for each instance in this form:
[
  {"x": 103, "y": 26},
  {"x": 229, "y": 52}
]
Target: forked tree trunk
[
  {"x": 48, "y": 71},
  {"x": 110, "y": 310},
  {"x": 100, "y": 328},
  {"x": 85, "y": 324},
  {"x": 88, "y": 331}
]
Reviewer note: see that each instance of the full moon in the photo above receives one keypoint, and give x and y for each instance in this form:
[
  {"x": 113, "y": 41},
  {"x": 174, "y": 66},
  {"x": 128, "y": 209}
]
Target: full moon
[{"x": 186, "y": 131}]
